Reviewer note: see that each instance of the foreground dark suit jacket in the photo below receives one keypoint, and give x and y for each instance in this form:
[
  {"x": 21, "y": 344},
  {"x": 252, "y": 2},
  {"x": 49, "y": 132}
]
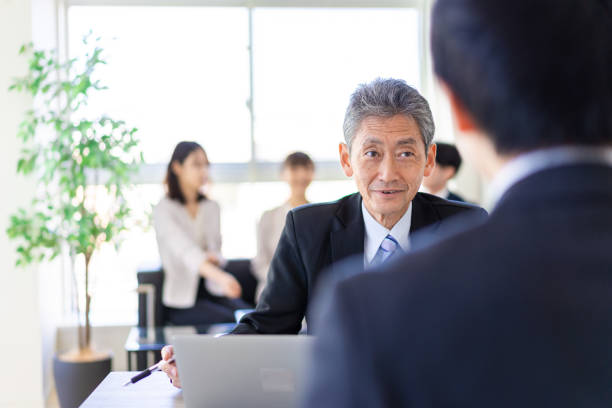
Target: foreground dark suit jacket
[
  {"x": 314, "y": 237},
  {"x": 516, "y": 312}
]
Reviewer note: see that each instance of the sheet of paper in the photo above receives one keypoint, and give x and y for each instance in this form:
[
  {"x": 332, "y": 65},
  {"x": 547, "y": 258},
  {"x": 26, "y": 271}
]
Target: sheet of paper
[{"x": 153, "y": 391}]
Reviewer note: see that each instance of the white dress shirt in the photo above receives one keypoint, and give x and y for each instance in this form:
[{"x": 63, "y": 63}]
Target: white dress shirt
[
  {"x": 532, "y": 162},
  {"x": 269, "y": 230},
  {"x": 183, "y": 242},
  {"x": 376, "y": 233}
]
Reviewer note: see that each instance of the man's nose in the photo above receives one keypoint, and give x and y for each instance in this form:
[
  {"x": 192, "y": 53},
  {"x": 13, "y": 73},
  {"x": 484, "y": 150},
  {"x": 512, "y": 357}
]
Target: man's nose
[{"x": 388, "y": 169}]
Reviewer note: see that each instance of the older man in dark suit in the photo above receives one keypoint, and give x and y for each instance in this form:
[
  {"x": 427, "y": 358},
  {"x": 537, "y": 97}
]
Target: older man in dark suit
[
  {"x": 388, "y": 130},
  {"x": 516, "y": 311}
]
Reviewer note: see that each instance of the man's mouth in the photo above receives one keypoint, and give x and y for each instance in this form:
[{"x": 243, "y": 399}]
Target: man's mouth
[{"x": 389, "y": 192}]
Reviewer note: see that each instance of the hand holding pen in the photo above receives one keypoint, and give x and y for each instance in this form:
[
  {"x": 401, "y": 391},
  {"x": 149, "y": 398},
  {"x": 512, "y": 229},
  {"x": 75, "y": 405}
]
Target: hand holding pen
[
  {"x": 167, "y": 365},
  {"x": 148, "y": 371}
]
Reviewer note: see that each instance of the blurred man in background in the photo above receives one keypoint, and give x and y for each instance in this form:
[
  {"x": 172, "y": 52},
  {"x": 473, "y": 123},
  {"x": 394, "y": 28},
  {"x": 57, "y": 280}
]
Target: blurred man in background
[{"x": 448, "y": 161}]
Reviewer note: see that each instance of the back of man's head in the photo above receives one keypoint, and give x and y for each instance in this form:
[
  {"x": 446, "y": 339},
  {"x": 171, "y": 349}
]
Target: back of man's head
[
  {"x": 448, "y": 155},
  {"x": 531, "y": 73}
]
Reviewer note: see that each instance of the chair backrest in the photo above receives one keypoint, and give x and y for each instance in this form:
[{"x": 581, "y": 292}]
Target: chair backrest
[
  {"x": 153, "y": 277},
  {"x": 240, "y": 268}
]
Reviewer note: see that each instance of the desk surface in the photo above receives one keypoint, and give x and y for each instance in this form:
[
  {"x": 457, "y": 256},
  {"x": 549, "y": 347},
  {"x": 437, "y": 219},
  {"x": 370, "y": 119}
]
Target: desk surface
[{"x": 152, "y": 392}]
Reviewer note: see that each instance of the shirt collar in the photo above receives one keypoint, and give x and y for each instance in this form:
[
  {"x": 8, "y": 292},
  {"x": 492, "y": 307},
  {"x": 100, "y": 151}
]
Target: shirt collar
[
  {"x": 529, "y": 163},
  {"x": 442, "y": 193},
  {"x": 375, "y": 233}
]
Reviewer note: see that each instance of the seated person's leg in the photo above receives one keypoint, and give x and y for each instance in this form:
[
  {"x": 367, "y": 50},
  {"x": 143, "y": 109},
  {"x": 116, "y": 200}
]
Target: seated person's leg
[{"x": 205, "y": 311}]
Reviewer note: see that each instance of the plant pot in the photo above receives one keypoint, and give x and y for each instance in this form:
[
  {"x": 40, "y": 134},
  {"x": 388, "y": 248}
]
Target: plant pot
[{"x": 75, "y": 380}]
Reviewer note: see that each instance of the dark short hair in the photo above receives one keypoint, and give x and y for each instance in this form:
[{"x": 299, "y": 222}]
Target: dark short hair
[
  {"x": 532, "y": 73},
  {"x": 298, "y": 159},
  {"x": 181, "y": 151},
  {"x": 448, "y": 155}
]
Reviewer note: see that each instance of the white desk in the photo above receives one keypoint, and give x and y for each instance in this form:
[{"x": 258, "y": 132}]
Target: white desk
[{"x": 154, "y": 391}]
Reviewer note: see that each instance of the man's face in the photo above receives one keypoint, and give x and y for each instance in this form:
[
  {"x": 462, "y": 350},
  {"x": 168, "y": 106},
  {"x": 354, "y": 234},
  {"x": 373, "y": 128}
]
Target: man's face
[
  {"x": 438, "y": 178},
  {"x": 388, "y": 162}
]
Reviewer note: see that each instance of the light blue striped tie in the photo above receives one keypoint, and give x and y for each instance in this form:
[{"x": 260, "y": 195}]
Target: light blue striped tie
[{"x": 387, "y": 248}]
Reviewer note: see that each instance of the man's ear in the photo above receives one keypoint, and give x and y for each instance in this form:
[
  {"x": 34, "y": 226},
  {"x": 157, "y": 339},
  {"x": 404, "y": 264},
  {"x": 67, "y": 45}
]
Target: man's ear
[
  {"x": 463, "y": 119},
  {"x": 345, "y": 159},
  {"x": 431, "y": 159}
]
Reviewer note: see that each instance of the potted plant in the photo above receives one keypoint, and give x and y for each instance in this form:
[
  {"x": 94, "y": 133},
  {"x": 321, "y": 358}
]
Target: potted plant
[{"x": 77, "y": 160}]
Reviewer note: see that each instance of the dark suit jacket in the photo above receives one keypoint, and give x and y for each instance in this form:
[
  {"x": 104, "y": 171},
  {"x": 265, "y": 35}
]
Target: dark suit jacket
[
  {"x": 454, "y": 197},
  {"x": 515, "y": 312},
  {"x": 316, "y": 236}
]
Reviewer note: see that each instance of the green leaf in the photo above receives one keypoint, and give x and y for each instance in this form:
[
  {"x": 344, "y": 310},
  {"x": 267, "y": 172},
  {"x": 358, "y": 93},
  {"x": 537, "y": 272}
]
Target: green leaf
[
  {"x": 20, "y": 164},
  {"x": 58, "y": 214}
]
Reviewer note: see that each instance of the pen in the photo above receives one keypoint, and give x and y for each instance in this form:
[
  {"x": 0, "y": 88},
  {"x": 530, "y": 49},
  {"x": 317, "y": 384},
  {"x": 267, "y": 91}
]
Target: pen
[{"x": 146, "y": 373}]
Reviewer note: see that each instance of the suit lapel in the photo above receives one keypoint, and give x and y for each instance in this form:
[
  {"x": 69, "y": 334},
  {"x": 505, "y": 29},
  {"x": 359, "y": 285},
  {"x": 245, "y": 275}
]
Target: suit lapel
[
  {"x": 347, "y": 238},
  {"x": 348, "y": 235},
  {"x": 423, "y": 214}
]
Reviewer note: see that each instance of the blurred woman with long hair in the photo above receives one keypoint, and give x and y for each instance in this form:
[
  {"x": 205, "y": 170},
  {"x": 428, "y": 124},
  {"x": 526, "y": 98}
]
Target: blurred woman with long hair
[{"x": 196, "y": 289}]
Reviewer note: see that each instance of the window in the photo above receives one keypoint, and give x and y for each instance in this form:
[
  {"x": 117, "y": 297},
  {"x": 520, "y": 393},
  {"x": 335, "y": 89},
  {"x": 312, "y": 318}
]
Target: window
[
  {"x": 184, "y": 73},
  {"x": 176, "y": 73},
  {"x": 306, "y": 64},
  {"x": 251, "y": 85}
]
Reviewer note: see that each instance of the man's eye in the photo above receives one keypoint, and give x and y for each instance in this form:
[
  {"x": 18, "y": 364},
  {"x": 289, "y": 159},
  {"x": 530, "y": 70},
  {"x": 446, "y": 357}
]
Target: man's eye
[
  {"x": 406, "y": 154},
  {"x": 371, "y": 153}
]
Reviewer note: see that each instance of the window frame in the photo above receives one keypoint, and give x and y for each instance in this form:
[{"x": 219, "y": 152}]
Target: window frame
[{"x": 256, "y": 170}]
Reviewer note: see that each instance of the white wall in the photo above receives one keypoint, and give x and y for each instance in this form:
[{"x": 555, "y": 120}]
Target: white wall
[
  {"x": 20, "y": 342},
  {"x": 29, "y": 306},
  {"x": 44, "y": 35}
]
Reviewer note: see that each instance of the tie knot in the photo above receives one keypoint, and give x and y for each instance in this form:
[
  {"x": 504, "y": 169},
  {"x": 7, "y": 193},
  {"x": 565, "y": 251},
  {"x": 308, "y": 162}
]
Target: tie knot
[{"x": 389, "y": 244}]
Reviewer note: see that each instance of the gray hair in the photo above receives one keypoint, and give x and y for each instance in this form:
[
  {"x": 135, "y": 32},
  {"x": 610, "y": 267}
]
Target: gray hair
[{"x": 386, "y": 98}]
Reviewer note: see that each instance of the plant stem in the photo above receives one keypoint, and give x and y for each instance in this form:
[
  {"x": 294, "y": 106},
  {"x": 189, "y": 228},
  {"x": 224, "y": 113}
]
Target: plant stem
[
  {"x": 87, "y": 342},
  {"x": 80, "y": 336}
]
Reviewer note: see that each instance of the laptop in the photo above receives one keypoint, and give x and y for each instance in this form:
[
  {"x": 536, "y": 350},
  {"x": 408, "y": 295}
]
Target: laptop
[{"x": 242, "y": 370}]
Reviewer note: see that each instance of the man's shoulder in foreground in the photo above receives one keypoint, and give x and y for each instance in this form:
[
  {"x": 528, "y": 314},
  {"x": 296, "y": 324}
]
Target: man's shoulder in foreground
[
  {"x": 434, "y": 218},
  {"x": 428, "y": 267},
  {"x": 446, "y": 317},
  {"x": 426, "y": 272}
]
